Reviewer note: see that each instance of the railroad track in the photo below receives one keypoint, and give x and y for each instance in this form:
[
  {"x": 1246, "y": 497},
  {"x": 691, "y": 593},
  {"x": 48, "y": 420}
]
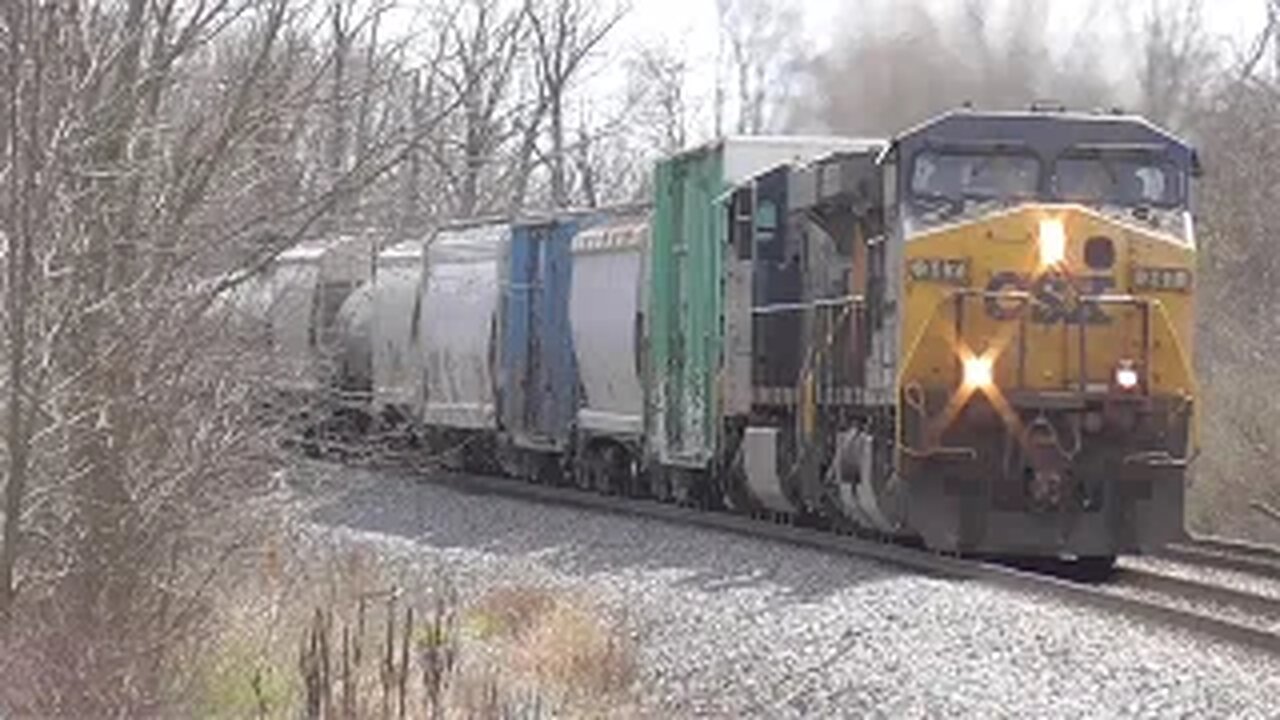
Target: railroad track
[
  {"x": 1163, "y": 599},
  {"x": 1200, "y": 595},
  {"x": 1226, "y": 554}
]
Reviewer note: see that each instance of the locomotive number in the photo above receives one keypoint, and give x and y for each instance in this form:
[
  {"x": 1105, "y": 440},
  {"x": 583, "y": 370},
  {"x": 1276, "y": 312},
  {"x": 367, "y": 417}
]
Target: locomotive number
[{"x": 1055, "y": 298}]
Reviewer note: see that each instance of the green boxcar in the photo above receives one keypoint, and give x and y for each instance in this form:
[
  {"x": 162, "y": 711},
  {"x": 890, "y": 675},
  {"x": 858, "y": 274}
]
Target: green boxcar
[{"x": 686, "y": 284}]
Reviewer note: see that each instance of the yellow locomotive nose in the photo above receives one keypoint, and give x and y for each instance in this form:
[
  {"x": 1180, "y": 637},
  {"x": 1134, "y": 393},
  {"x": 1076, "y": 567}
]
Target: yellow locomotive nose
[
  {"x": 1053, "y": 298},
  {"x": 1038, "y": 309},
  {"x": 1052, "y": 371}
]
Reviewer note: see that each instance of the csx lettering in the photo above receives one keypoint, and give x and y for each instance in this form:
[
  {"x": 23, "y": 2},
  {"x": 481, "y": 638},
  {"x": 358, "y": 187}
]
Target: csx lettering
[{"x": 1054, "y": 298}]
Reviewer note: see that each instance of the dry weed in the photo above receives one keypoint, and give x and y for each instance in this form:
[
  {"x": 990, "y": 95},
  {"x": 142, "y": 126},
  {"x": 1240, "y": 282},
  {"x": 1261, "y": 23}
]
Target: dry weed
[{"x": 346, "y": 637}]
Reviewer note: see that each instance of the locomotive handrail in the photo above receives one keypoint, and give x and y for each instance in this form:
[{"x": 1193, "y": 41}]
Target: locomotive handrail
[
  {"x": 779, "y": 308},
  {"x": 1153, "y": 313},
  {"x": 1024, "y": 298},
  {"x": 1149, "y": 304}
]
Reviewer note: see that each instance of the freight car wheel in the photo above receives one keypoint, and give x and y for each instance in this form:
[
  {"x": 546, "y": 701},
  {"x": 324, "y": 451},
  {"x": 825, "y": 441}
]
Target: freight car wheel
[
  {"x": 618, "y": 475},
  {"x": 660, "y": 484},
  {"x": 548, "y": 469},
  {"x": 692, "y": 488},
  {"x": 585, "y": 474}
]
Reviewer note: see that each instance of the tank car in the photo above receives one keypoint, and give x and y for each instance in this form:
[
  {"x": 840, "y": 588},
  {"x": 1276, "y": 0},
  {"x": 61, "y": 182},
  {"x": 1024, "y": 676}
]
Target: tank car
[
  {"x": 606, "y": 319},
  {"x": 396, "y": 354},
  {"x": 293, "y": 306},
  {"x": 454, "y": 317}
]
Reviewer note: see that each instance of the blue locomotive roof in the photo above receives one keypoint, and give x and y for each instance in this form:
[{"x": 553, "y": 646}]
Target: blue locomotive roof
[{"x": 1048, "y": 134}]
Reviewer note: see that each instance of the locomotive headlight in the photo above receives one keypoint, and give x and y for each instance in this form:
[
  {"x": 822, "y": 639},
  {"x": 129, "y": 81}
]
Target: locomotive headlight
[
  {"x": 1053, "y": 242},
  {"x": 977, "y": 372},
  {"x": 1126, "y": 375}
]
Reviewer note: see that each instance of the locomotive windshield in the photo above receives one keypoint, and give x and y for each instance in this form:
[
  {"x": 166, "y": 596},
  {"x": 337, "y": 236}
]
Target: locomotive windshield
[
  {"x": 975, "y": 175},
  {"x": 1126, "y": 179}
]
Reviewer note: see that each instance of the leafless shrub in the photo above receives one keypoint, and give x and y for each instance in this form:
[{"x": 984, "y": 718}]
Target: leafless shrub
[
  {"x": 1239, "y": 335},
  {"x": 149, "y": 162},
  {"x": 346, "y": 637}
]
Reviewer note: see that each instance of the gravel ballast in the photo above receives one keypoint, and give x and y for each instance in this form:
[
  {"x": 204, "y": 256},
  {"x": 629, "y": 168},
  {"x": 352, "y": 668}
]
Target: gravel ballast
[{"x": 731, "y": 626}]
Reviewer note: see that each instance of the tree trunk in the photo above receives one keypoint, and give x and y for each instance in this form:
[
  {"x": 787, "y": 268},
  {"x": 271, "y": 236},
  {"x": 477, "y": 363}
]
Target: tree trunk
[
  {"x": 101, "y": 586},
  {"x": 18, "y": 222},
  {"x": 559, "y": 184},
  {"x": 338, "y": 108}
]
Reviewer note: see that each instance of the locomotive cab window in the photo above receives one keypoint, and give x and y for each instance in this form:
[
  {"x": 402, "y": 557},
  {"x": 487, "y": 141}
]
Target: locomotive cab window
[
  {"x": 1118, "y": 178},
  {"x": 994, "y": 175},
  {"x": 768, "y": 240}
]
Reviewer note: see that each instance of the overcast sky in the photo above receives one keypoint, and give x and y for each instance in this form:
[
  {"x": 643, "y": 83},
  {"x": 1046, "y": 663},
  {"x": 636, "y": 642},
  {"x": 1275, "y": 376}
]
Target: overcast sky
[
  {"x": 690, "y": 26},
  {"x": 694, "y": 21}
]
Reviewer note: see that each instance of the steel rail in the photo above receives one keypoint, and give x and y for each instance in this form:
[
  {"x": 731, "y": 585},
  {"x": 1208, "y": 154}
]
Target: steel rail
[
  {"x": 1226, "y": 554},
  {"x": 1238, "y": 547},
  {"x": 931, "y": 563},
  {"x": 1192, "y": 590}
]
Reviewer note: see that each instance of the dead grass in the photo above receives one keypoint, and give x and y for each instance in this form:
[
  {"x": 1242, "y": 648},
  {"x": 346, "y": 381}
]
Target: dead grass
[
  {"x": 555, "y": 642},
  {"x": 346, "y": 636}
]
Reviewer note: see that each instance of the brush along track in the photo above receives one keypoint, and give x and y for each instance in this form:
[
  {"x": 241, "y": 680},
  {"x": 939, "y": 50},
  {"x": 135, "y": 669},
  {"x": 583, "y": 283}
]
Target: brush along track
[{"x": 1194, "y": 617}]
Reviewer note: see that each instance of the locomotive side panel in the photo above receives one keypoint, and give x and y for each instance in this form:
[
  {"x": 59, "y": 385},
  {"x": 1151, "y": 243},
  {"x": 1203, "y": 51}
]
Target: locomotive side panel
[{"x": 800, "y": 231}]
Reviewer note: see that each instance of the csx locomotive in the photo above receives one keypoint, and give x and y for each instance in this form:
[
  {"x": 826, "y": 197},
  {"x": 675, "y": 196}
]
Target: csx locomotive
[{"x": 977, "y": 335}]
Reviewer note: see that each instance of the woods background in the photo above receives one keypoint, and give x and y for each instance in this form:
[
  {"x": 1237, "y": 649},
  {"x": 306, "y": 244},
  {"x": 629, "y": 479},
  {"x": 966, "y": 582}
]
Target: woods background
[{"x": 153, "y": 153}]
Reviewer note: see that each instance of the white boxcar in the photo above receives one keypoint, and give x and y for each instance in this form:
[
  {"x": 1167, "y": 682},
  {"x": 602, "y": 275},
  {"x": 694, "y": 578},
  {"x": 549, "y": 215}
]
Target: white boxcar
[
  {"x": 458, "y": 311},
  {"x": 605, "y": 299},
  {"x": 397, "y": 350}
]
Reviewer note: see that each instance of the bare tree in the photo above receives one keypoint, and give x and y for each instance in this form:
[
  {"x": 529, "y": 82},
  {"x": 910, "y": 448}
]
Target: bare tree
[
  {"x": 1232, "y": 112},
  {"x": 1267, "y": 39},
  {"x": 155, "y": 154},
  {"x": 481, "y": 43},
  {"x": 657, "y": 80},
  {"x": 1176, "y": 60},
  {"x": 565, "y": 34},
  {"x": 761, "y": 38}
]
